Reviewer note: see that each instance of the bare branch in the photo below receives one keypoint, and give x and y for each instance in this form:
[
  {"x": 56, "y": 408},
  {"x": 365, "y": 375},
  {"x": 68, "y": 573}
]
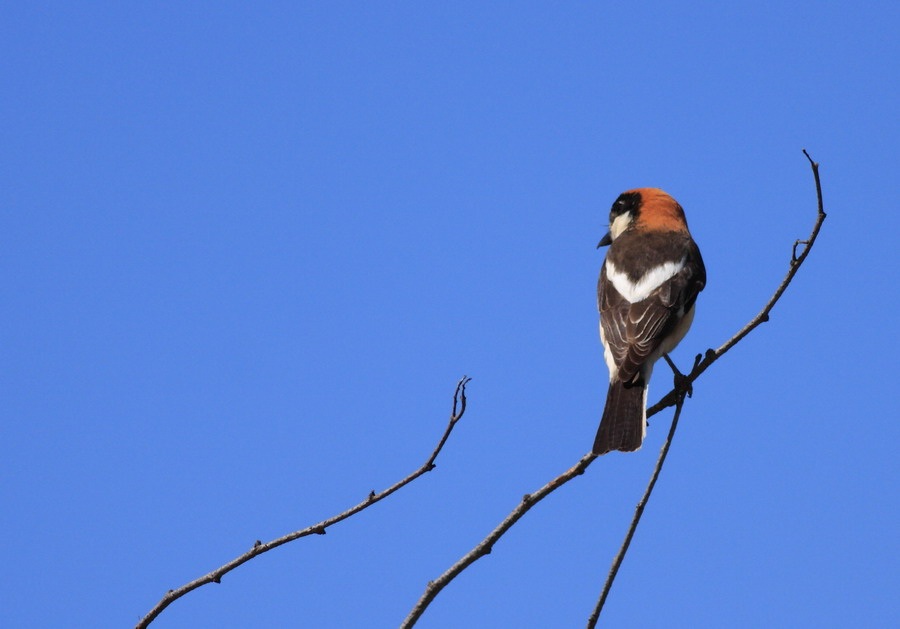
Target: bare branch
[
  {"x": 638, "y": 512},
  {"x": 675, "y": 397},
  {"x": 797, "y": 260},
  {"x": 258, "y": 548},
  {"x": 700, "y": 365},
  {"x": 484, "y": 547}
]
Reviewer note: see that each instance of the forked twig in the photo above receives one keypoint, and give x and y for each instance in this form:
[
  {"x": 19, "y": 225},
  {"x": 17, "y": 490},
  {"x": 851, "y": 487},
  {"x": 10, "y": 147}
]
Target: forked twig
[
  {"x": 797, "y": 260},
  {"x": 258, "y": 548}
]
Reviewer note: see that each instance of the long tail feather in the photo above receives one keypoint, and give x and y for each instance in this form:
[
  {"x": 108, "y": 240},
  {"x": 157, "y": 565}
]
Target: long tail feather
[{"x": 624, "y": 419}]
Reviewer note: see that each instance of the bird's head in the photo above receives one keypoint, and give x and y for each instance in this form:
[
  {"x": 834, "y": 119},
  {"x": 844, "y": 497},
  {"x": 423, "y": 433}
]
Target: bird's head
[{"x": 643, "y": 209}]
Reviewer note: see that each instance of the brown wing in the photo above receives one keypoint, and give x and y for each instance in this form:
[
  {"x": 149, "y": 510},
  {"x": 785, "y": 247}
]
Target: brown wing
[{"x": 633, "y": 332}]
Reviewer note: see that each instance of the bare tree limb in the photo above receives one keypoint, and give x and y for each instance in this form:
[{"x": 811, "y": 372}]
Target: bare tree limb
[
  {"x": 701, "y": 364},
  {"x": 711, "y": 355},
  {"x": 484, "y": 547},
  {"x": 675, "y": 397},
  {"x": 258, "y": 548},
  {"x": 638, "y": 512}
]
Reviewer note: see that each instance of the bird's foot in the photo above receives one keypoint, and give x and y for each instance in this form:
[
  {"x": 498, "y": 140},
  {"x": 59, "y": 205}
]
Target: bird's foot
[{"x": 683, "y": 384}]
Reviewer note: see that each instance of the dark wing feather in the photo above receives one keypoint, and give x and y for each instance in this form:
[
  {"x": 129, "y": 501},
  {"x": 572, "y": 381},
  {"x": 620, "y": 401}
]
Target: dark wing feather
[
  {"x": 634, "y": 332},
  {"x": 613, "y": 318}
]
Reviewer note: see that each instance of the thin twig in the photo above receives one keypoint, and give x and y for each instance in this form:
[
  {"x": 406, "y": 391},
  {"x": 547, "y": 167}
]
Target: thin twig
[
  {"x": 258, "y": 548},
  {"x": 701, "y": 364},
  {"x": 638, "y": 512},
  {"x": 674, "y": 397},
  {"x": 797, "y": 260},
  {"x": 484, "y": 547}
]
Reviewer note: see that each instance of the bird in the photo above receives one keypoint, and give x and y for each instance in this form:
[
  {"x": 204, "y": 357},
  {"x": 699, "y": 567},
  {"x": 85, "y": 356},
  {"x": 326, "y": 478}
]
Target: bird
[{"x": 648, "y": 287}]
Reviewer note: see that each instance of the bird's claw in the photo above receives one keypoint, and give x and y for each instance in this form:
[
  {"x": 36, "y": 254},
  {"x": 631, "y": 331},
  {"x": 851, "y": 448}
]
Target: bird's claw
[{"x": 682, "y": 383}]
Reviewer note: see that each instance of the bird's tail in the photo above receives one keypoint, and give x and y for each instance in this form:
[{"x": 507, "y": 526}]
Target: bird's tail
[{"x": 624, "y": 419}]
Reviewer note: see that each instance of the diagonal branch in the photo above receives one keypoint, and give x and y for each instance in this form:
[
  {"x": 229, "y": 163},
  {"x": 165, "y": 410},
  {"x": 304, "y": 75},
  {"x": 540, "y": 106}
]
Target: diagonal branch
[
  {"x": 700, "y": 365},
  {"x": 484, "y": 547},
  {"x": 673, "y": 398},
  {"x": 459, "y": 409},
  {"x": 711, "y": 355},
  {"x": 638, "y": 512}
]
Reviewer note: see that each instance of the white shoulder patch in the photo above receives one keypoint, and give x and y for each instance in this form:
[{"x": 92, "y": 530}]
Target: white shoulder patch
[{"x": 640, "y": 290}]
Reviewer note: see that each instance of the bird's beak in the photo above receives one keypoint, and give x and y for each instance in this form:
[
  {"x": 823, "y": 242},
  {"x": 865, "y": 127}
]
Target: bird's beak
[{"x": 605, "y": 241}]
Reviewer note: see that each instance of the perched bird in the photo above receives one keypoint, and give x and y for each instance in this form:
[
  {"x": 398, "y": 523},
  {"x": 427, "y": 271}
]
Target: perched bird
[{"x": 646, "y": 293}]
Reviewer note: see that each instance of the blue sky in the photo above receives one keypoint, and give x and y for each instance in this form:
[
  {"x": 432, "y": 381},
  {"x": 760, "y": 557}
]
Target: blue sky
[{"x": 247, "y": 252}]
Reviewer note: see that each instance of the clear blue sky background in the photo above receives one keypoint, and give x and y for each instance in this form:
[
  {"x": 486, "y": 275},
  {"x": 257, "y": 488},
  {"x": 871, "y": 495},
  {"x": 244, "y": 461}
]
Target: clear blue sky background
[{"x": 247, "y": 252}]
